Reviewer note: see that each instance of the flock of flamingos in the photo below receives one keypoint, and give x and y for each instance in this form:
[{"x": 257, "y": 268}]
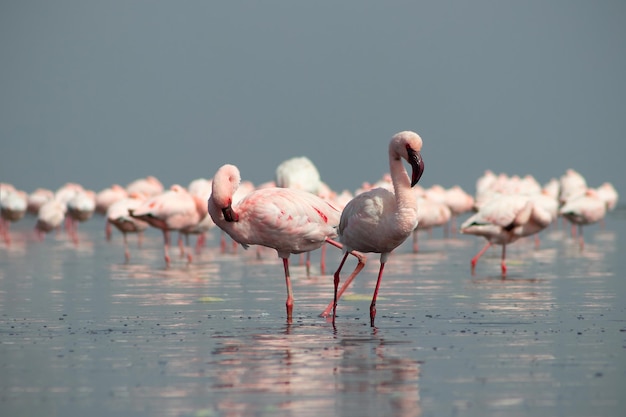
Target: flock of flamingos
[{"x": 298, "y": 213}]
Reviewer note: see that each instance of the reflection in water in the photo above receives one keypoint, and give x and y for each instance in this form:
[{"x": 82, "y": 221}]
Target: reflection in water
[{"x": 336, "y": 374}]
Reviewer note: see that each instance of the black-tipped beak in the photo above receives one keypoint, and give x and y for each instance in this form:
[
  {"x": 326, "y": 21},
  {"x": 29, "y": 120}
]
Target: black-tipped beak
[
  {"x": 417, "y": 165},
  {"x": 229, "y": 214}
]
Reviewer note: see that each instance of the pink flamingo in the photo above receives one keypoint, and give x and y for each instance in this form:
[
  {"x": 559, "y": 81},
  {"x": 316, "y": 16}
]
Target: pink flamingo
[
  {"x": 175, "y": 209},
  {"x": 38, "y": 198},
  {"x": 379, "y": 220},
  {"x": 503, "y": 220},
  {"x": 104, "y": 200},
  {"x": 586, "y": 209},
  {"x": 459, "y": 202},
  {"x": 285, "y": 219},
  {"x": 13, "y": 206},
  {"x": 201, "y": 187},
  {"x": 80, "y": 208},
  {"x": 118, "y": 215},
  {"x": 431, "y": 214},
  {"x": 49, "y": 217},
  {"x": 148, "y": 186}
]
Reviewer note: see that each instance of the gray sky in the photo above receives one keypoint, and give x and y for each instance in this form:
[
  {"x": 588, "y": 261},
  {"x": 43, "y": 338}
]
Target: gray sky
[{"x": 103, "y": 92}]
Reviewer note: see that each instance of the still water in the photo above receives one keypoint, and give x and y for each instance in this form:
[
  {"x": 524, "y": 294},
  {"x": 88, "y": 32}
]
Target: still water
[{"x": 84, "y": 333}]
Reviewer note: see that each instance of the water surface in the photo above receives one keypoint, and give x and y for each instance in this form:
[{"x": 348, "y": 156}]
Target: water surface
[{"x": 84, "y": 333}]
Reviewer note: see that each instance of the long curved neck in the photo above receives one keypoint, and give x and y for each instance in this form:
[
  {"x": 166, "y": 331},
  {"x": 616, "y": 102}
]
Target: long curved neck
[{"x": 401, "y": 183}]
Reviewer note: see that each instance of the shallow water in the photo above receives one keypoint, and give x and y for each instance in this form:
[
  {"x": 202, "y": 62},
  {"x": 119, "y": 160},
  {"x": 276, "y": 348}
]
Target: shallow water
[{"x": 84, "y": 333}]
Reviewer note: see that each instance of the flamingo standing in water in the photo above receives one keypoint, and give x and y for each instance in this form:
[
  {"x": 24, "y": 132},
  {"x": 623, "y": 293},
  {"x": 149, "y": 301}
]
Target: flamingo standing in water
[
  {"x": 104, "y": 200},
  {"x": 586, "y": 209},
  {"x": 503, "y": 220},
  {"x": 285, "y": 219},
  {"x": 13, "y": 206},
  {"x": 118, "y": 215},
  {"x": 175, "y": 209},
  {"x": 380, "y": 220},
  {"x": 50, "y": 217}
]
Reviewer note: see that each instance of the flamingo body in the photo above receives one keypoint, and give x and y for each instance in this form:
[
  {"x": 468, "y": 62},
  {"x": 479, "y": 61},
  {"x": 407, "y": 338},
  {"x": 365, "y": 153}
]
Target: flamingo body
[{"x": 379, "y": 220}]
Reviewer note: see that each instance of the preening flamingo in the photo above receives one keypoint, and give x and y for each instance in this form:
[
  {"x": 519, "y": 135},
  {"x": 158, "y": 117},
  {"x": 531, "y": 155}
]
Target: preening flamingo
[
  {"x": 503, "y": 220},
  {"x": 175, "y": 209},
  {"x": 118, "y": 215},
  {"x": 585, "y": 209},
  {"x": 50, "y": 217},
  {"x": 379, "y": 220},
  {"x": 285, "y": 219}
]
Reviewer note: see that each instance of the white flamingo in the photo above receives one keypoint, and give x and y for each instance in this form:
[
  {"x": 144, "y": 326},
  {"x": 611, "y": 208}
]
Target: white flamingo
[{"x": 380, "y": 220}]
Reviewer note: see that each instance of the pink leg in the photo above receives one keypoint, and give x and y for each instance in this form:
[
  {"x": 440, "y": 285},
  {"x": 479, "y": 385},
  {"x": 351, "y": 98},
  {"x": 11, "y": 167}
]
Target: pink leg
[
  {"x": 223, "y": 242},
  {"x": 107, "y": 230},
  {"x": 166, "y": 247},
  {"x": 581, "y": 240},
  {"x": 181, "y": 246},
  {"x": 478, "y": 255},
  {"x": 503, "y": 261},
  {"x": 126, "y": 251},
  {"x": 4, "y": 228},
  {"x": 139, "y": 239},
  {"x": 415, "y": 244},
  {"x": 373, "y": 305},
  {"x": 537, "y": 241},
  {"x": 308, "y": 264},
  {"x": 289, "y": 303},
  {"x": 361, "y": 264},
  {"x": 323, "y": 260}
]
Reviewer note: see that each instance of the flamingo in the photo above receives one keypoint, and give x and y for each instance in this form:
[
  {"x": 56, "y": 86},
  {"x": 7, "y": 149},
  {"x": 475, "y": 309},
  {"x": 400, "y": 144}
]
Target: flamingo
[
  {"x": 118, "y": 215},
  {"x": 299, "y": 173},
  {"x": 104, "y": 199},
  {"x": 431, "y": 214},
  {"x": 80, "y": 208},
  {"x": 50, "y": 217},
  {"x": 174, "y": 209},
  {"x": 586, "y": 209},
  {"x": 378, "y": 220},
  {"x": 459, "y": 202},
  {"x": 503, "y": 220},
  {"x": 201, "y": 187},
  {"x": 285, "y": 219},
  {"x": 13, "y": 206},
  {"x": 149, "y": 186},
  {"x": 38, "y": 198}
]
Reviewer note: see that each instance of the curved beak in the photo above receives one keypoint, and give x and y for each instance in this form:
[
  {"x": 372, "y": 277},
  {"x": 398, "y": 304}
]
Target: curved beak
[
  {"x": 417, "y": 165},
  {"x": 229, "y": 214}
]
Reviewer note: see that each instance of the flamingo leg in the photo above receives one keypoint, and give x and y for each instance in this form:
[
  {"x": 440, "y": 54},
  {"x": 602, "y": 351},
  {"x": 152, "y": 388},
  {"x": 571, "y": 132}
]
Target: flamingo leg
[
  {"x": 361, "y": 264},
  {"x": 139, "y": 239},
  {"x": 581, "y": 240},
  {"x": 126, "y": 252},
  {"x": 478, "y": 255},
  {"x": 336, "y": 282},
  {"x": 415, "y": 243},
  {"x": 107, "y": 230},
  {"x": 323, "y": 260},
  {"x": 289, "y": 303},
  {"x": 223, "y": 242},
  {"x": 166, "y": 247},
  {"x": 503, "y": 261},
  {"x": 308, "y": 264},
  {"x": 373, "y": 305}
]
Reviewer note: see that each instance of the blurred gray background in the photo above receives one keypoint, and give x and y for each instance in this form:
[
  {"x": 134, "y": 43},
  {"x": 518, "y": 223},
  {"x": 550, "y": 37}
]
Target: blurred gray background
[{"x": 103, "y": 92}]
